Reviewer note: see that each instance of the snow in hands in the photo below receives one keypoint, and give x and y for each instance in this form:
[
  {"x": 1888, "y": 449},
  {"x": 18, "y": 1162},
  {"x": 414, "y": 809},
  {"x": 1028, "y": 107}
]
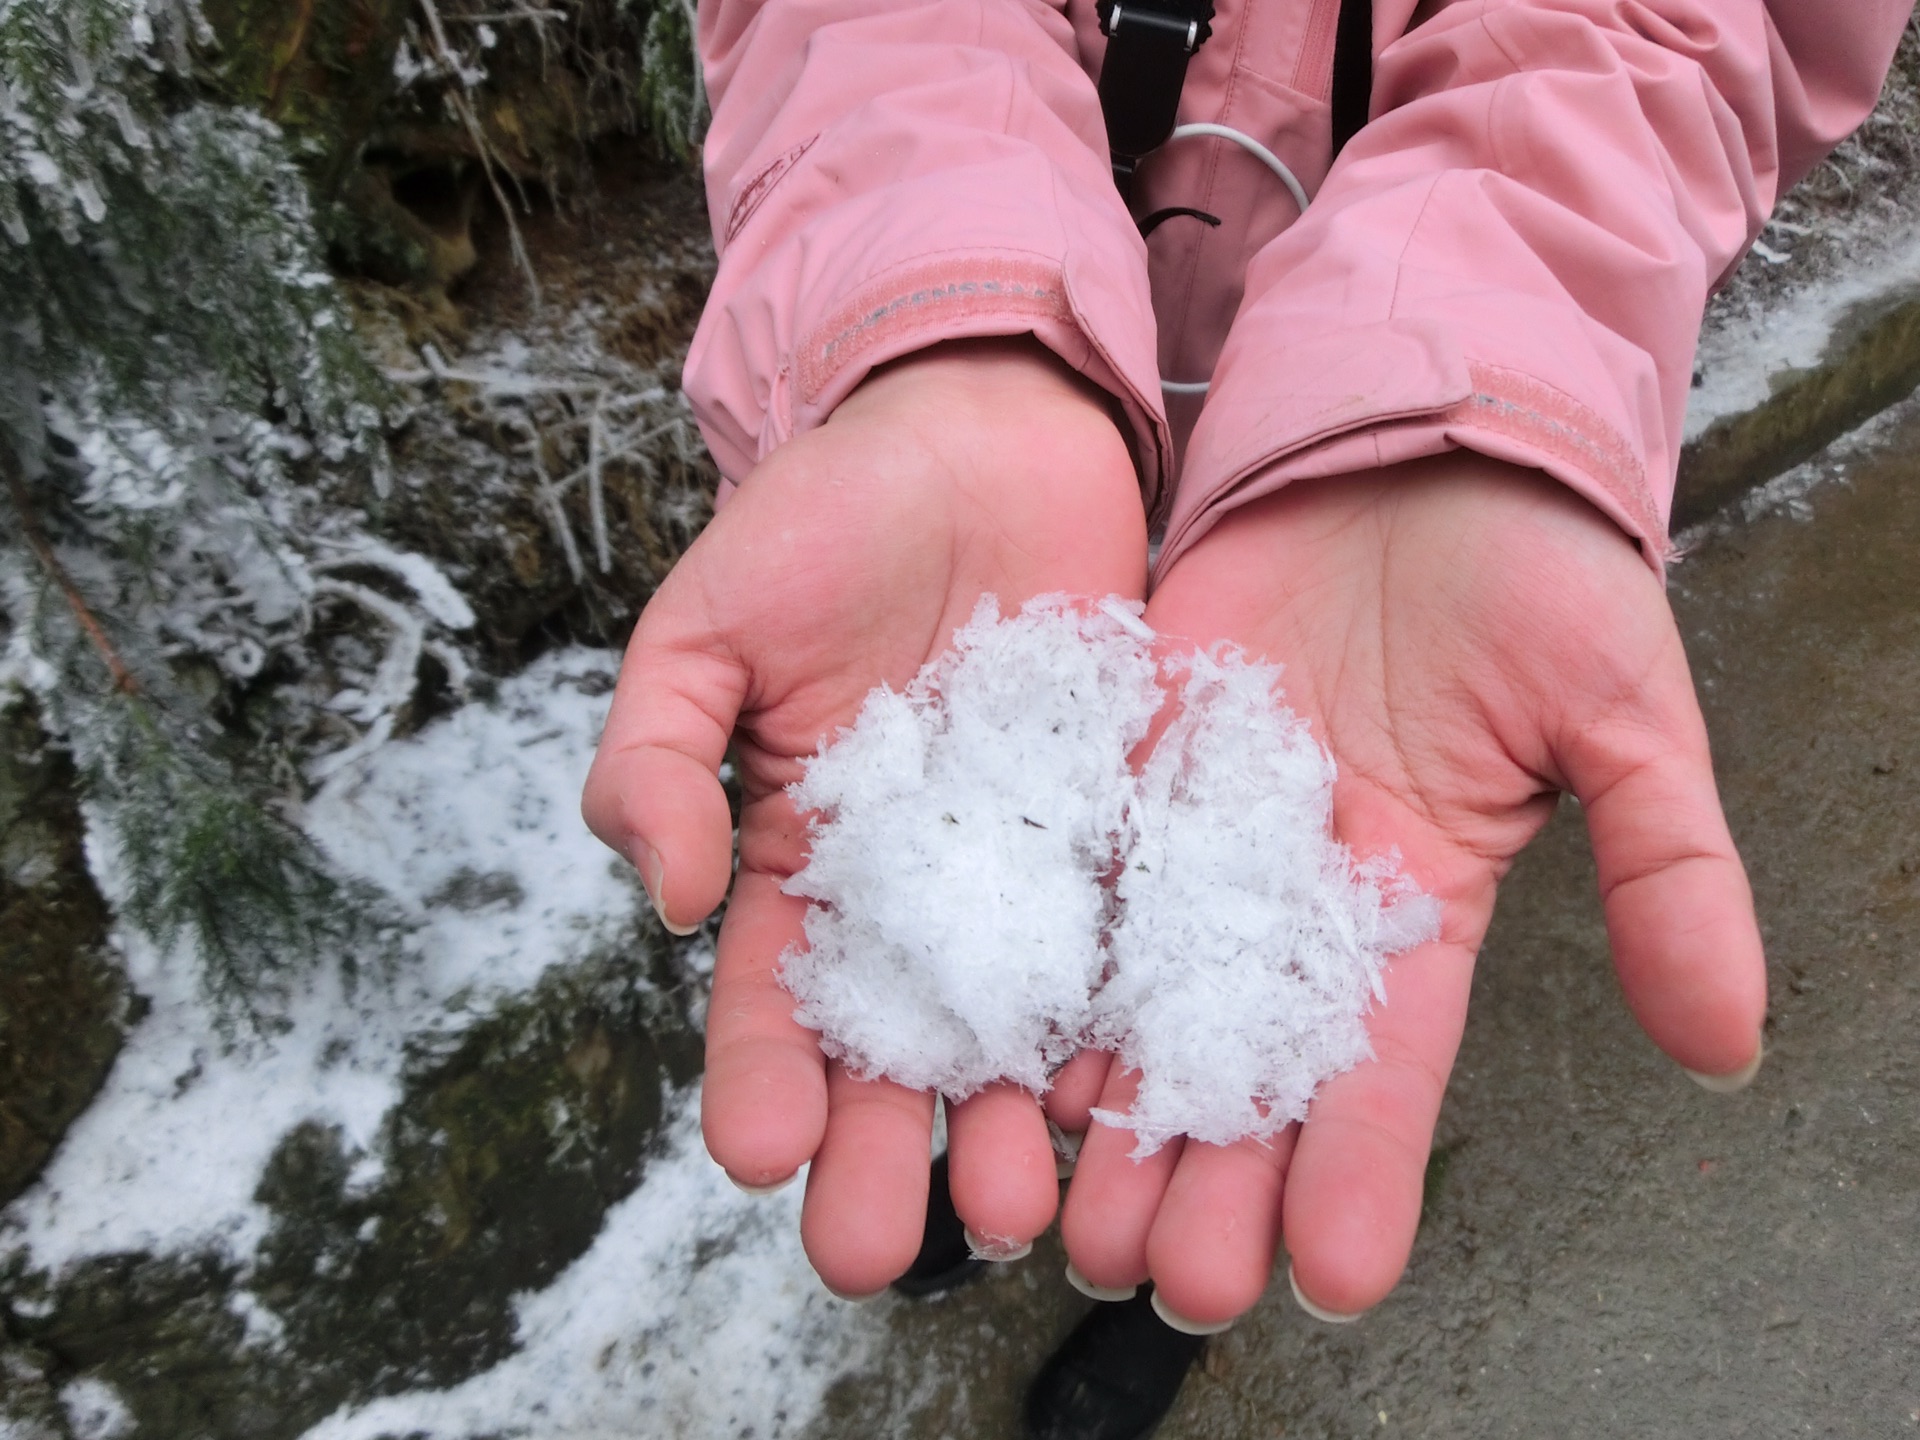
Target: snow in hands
[
  {"x": 966, "y": 825},
  {"x": 1251, "y": 941},
  {"x": 994, "y": 887}
]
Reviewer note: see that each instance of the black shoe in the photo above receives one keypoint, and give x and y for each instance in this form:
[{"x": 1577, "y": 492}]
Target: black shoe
[
  {"x": 945, "y": 1261},
  {"x": 1114, "y": 1378}
]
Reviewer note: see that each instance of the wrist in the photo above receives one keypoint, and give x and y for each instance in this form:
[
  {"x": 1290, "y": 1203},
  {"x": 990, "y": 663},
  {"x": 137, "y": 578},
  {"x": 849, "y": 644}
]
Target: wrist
[
  {"x": 992, "y": 379},
  {"x": 1487, "y": 503},
  {"x": 1000, "y": 429}
]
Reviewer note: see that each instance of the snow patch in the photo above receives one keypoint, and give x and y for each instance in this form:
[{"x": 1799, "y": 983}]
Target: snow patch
[
  {"x": 1741, "y": 355},
  {"x": 95, "y": 1410},
  {"x": 472, "y": 828},
  {"x": 695, "y": 1313}
]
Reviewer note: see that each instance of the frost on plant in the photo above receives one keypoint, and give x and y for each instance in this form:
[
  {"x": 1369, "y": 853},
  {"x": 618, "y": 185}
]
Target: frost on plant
[
  {"x": 173, "y": 360},
  {"x": 626, "y": 61},
  {"x": 675, "y": 94},
  {"x": 994, "y": 887}
]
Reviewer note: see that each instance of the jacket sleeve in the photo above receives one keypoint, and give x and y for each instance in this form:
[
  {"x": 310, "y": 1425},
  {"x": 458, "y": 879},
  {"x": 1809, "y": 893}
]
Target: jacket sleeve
[
  {"x": 885, "y": 174},
  {"x": 1514, "y": 256}
]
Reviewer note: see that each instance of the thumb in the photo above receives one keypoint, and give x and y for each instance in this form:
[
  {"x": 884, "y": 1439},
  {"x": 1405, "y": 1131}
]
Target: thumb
[
  {"x": 654, "y": 791},
  {"x": 1679, "y": 911}
]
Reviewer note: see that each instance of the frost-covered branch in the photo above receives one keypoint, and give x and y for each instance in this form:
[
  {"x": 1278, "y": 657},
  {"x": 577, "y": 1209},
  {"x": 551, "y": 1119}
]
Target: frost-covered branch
[
  {"x": 602, "y": 419},
  {"x": 176, "y": 370},
  {"x": 518, "y": 14},
  {"x": 633, "y": 58},
  {"x": 462, "y": 105},
  {"x": 596, "y": 489},
  {"x": 89, "y": 623}
]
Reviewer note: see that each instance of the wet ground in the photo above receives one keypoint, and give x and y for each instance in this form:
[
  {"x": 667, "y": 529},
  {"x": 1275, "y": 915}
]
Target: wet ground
[{"x": 1610, "y": 1250}]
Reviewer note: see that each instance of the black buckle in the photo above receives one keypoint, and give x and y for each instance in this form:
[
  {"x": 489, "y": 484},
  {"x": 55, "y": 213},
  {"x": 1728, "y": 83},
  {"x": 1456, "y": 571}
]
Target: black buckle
[{"x": 1140, "y": 80}]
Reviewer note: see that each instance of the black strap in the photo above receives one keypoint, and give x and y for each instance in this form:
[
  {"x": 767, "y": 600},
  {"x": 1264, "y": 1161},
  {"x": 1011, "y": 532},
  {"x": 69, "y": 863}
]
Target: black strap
[
  {"x": 1352, "y": 70},
  {"x": 1149, "y": 43}
]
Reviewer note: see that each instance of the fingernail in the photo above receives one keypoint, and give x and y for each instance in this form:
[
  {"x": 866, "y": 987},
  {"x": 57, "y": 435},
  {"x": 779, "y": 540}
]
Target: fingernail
[
  {"x": 854, "y": 1299},
  {"x": 653, "y": 873},
  {"x": 1738, "y": 1080},
  {"x": 770, "y": 1188},
  {"x": 1092, "y": 1291},
  {"x": 1319, "y": 1312},
  {"x": 997, "y": 1248},
  {"x": 1176, "y": 1321}
]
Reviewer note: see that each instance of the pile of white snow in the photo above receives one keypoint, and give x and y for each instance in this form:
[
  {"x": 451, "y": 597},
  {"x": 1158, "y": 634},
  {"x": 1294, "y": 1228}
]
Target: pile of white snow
[
  {"x": 992, "y": 789},
  {"x": 1231, "y": 962},
  {"x": 1252, "y": 942},
  {"x": 169, "y": 1156}
]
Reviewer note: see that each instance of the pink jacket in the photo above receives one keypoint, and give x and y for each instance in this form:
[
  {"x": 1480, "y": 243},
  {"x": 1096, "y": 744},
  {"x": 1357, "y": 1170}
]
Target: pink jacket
[{"x": 1512, "y": 257}]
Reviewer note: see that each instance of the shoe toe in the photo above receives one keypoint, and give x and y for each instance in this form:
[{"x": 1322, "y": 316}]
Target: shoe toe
[{"x": 1114, "y": 1378}]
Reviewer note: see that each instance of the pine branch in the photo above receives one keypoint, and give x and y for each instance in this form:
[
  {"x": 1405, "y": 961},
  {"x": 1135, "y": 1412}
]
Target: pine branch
[{"x": 123, "y": 678}]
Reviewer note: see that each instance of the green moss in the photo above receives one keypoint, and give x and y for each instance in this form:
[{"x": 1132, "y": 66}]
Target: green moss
[
  {"x": 321, "y": 68},
  {"x": 1433, "y": 1183},
  {"x": 502, "y": 1161}
]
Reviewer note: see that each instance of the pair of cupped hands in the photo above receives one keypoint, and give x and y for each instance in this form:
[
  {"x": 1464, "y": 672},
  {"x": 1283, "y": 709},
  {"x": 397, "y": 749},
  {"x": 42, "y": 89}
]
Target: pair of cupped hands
[{"x": 1468, "y": 638}]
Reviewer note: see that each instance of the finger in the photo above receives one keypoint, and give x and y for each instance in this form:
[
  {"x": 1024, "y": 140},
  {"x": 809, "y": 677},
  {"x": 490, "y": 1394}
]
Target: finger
[
  {"x": 654, "y": 793},
  {"x": 1679, "y": 910},
  {"x": 763, "y": 1106},
  {"x": 1113, "y": 1198},
  {"x": 1352, "y": 1201},
  {"x": 1000, "y": 1167},
  {"x": 866, "y": 1202},
  {"x": 1218, "y": 1228},
  {"x": 1076, "y": 1090}
]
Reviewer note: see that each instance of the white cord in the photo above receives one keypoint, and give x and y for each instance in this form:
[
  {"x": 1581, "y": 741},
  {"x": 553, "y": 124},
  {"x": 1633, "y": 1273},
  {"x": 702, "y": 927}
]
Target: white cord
[
  {"x": 1253, "y": 147},
  {"x": 1267, "y": 158}
]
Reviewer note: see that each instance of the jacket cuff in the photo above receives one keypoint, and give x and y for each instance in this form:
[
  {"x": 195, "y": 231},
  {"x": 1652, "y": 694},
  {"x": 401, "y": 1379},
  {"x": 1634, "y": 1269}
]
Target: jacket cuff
[
  {"x": 1398, "y": 390},
  {"x": 793, "y": 328}
]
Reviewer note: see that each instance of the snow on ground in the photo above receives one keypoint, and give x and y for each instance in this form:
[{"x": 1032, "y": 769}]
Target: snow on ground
[
  {"x": 695, "y": 1305},
  {"x": 1795, "y": 493},
  {"x": 1742, "y": 351},
  {"x": 489, "y": 795},
  {"x": 95, "y": 1410},
  {"x": 694, "y": 1314}
]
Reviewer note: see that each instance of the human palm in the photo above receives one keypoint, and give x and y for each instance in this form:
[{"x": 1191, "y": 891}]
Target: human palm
[
  {"x": 846, "y": 561},
  {"x": 1468, "y": 639}
]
